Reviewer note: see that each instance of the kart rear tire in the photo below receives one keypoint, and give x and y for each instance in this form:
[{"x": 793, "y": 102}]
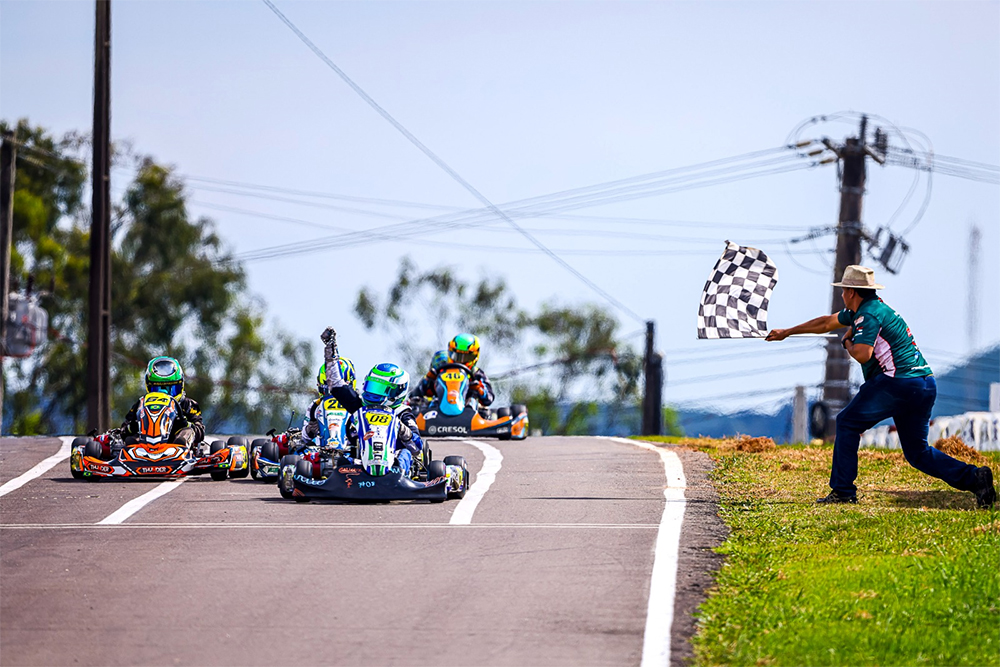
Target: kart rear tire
[
  {"x": 93, "y": 449},
  {"x": 240, "y": 441},
  {"x": 218, "y": 475},
  {"x": 503, "y": 412},
  {"x": 518, "y": 410},
  {"x": 460, "y": 462},
  {"x": 286, "y": 486}
]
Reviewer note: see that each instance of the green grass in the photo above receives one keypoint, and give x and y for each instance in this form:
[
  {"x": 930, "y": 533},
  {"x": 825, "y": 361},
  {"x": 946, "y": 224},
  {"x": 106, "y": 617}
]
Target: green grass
[{"x": 909, "y": 576}]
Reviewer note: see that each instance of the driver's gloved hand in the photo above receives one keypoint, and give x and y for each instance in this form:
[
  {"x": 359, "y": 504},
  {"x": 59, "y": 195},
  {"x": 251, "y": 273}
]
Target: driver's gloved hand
[
  {"x": 130, "y": 428},
  {"x": 311, "y": 430},
  {"x": 185, "y": 436},
  {"x": 478, "y": 388}
]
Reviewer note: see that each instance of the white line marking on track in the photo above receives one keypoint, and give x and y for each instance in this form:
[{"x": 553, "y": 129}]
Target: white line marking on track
[
  {"x": 136, "y": 504},
  {"x": 310, "y": 526},
  {"x": 663, "y": 582},
  {"x": 64, "y": 451},
  {"x": 484, "y": 479}
]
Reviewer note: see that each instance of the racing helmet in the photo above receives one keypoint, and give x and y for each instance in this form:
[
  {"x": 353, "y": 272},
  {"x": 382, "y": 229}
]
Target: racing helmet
[
  {"x": 464, "y": 349},
  {"x": 164, "y": 375},
  {"x": 439, "y": 359},
  {"x": 346, "y": 371},
  {"x": 385, "y": 386}
]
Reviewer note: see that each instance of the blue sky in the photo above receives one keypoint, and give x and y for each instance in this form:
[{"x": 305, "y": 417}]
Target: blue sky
[{"x": 529, "y": 98}]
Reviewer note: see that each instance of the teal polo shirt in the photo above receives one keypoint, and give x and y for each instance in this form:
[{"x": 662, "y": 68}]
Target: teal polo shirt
[{"x": 895, "y": 352}]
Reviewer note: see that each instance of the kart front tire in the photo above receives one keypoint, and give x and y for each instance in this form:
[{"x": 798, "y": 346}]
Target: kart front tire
[
  {"x": 77, "y": 442},
  {"x": 240, "y": 441},
  {"x": 305, "y": 468},
  {"x": 286, "y": 470},
  {"x": 270, "y": 451},
  {"x": 218, "y": 475},
  {"x": 93, "y": 449},
  {"x": 256, "y": 447},
  {"x": 460, "y": 462},
  {"x": 434, "y": 470}
]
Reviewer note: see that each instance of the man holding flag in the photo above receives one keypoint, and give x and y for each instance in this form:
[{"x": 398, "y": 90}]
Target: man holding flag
[{"x": 898, "y": 384}]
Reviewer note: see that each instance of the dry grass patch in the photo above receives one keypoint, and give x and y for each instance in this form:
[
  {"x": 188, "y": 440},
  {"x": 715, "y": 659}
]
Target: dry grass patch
[
  {"x": 741, "y": 443},
  {"x": 956, "y": 448}
]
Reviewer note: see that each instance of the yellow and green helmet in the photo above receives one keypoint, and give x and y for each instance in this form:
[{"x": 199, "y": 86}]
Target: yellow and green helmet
[
  {"x": 164, "y": 375},
  {"x": 346, "y": 372},
  {"x": 464, "y": 349}
]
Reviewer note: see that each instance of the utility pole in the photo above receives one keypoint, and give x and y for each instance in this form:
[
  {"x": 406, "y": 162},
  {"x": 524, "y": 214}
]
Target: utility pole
[
  {"x": 652, "y": 400},
  {"x": 99, "y": 324},
  {"x": 972, "y": 291},
  {"x": 8, "y": 154},
  {"x": 800, "y": 417},
  {"x": 852, "y": 155}
]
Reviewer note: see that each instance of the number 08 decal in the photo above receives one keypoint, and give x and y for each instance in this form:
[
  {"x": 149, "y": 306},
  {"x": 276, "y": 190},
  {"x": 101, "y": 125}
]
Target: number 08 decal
[{"x": 379, "y": 419}]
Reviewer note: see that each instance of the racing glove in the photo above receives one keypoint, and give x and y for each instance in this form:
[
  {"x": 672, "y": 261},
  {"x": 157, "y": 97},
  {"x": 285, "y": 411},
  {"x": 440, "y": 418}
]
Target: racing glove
[
  {"x": 311, "y": 429},
  {"x": 185, "y": 436}
]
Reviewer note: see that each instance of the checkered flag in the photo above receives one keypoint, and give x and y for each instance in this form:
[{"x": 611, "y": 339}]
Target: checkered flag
[{"x": 734, "y": 302}]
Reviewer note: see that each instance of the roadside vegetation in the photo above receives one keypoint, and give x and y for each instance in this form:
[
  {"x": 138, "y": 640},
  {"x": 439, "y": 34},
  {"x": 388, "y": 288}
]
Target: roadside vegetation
[{"x": 909, "y": 576}]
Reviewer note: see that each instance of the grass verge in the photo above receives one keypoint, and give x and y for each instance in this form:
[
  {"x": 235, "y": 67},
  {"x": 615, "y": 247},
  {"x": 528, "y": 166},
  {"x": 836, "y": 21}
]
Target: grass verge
[{"x": 909, "y": 576}]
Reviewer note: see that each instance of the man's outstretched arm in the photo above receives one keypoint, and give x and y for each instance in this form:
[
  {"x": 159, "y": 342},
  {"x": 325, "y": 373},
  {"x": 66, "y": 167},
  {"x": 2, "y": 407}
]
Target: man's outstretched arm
[{"x": 821, "y": 324}]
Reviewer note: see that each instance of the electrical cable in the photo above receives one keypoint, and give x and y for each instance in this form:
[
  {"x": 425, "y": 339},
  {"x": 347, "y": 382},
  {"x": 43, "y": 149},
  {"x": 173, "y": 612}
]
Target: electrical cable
[
  {"x": 447, "y": 168},
  {"x": 443, "y": 223}
]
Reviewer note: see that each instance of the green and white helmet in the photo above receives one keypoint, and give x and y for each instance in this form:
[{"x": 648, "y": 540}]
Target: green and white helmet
[
  {"x": 164, "y": 375},
  {"x": 385, "y": 386}
]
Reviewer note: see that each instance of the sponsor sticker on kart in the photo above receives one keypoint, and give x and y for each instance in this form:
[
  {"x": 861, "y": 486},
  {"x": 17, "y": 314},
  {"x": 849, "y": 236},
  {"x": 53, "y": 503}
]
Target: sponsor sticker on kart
[
  {"x": 98, "y": 467},
  {"x": 349, "y": 470},
  {"x": 153, "y": 470},
  {"x": 456, "y": 430}
]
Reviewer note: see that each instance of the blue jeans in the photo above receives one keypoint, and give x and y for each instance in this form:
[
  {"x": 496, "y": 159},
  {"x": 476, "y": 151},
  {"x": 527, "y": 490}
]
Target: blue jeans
[{"x": 908, "y": 401}]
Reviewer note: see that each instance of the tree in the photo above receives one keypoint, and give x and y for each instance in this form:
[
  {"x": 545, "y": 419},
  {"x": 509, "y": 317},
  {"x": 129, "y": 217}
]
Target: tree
[
  {"x": 175, "y": 290},
  {"x": 572, "y": 353},
  {"x": 438, "y": 300}
]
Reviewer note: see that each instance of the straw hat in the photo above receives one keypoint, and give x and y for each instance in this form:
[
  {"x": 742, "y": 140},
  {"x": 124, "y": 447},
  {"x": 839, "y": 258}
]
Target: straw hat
[{"x": 858, "y": 277}]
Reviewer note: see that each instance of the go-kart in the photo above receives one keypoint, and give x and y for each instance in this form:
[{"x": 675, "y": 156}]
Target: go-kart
[
  {"x": 150, "y": 453},
  {"x": 373, "y": 474},
  {"x": 448, "y": 414},
  {"x": 266, "y": 453}
]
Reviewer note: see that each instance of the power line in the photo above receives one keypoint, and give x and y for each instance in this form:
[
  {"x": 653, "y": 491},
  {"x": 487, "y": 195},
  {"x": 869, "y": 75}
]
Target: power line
[
  {"x": 476, "y": 217},
  {"x": 446, "y": 168}
]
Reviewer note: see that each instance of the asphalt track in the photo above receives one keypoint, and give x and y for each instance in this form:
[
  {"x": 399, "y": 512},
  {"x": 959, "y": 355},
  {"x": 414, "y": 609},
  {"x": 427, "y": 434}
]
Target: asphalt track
[{"x": 553, "y": 567}]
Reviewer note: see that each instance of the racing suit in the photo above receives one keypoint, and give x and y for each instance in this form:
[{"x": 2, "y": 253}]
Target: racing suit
[
  {"x": 310, "y": 425},
  {"x": 188, "y": 428},
  {"x": 408, "y": 434}
]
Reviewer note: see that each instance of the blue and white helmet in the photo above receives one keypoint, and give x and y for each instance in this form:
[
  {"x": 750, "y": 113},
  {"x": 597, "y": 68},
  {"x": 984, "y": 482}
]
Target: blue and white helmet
[{"x": 385, "y": 386}]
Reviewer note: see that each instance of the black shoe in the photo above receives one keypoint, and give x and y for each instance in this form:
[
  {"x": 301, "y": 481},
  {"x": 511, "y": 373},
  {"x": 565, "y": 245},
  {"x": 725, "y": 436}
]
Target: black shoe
[
  {"x": 835, "y": 498},
  {"x": 985, "y": 494}
]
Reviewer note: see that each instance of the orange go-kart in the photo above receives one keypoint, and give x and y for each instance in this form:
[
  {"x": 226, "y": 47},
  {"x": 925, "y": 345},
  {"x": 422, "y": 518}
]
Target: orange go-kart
[
  {"x": 449, "y": 414},
  {"x": 150, "y": 452}
]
